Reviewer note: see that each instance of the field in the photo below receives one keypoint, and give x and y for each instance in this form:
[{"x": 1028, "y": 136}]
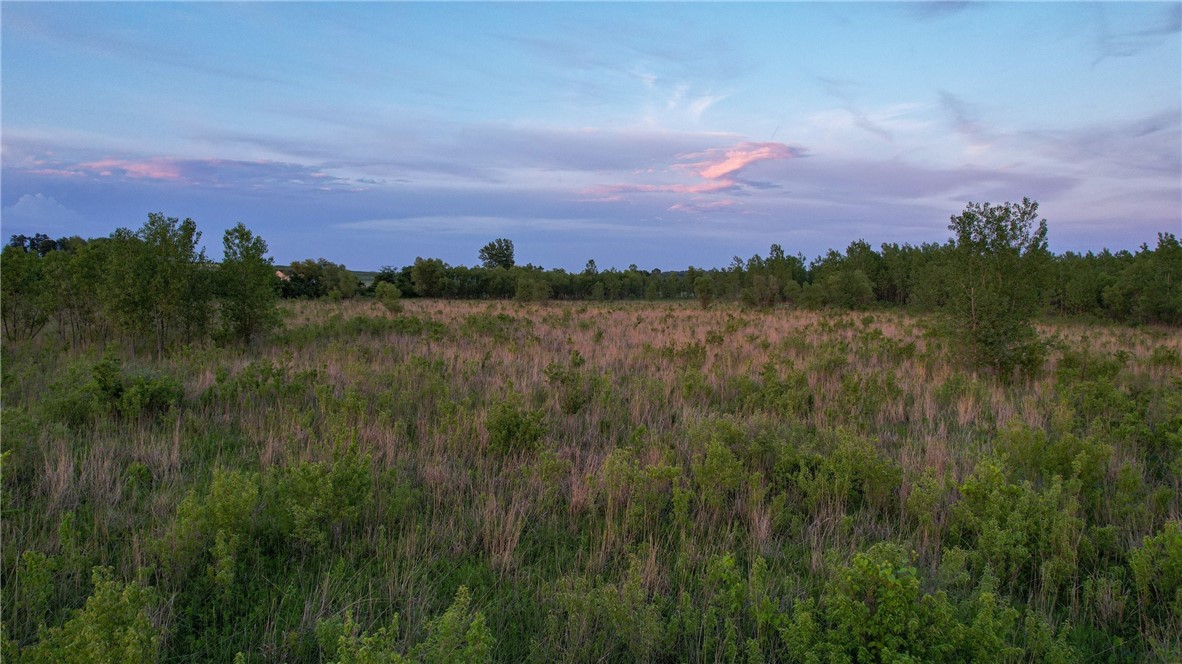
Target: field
[{"x": 644, "y": 481}]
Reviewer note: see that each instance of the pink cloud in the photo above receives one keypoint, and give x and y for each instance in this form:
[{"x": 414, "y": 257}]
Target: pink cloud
[
  {"x": 151, "y": 169},
  {"x": 720, "y": 162},
  {"x": 717, "y": 167}
]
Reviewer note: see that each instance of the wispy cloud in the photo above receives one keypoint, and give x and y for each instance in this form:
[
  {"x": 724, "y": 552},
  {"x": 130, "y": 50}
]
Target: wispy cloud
[
  {"x": 217, "y": 173},
  {"x": 721, "y": 162},
  {"x": 482, "y": 225},
  {"x": 1118, "y": 43},
  {"x": 845, "y": 91},
  {"x": 717, "y": 169}
]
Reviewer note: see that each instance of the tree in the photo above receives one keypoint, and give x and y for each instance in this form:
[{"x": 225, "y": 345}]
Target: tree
[
  {"x": 704, "y": 290},
  {"x": 498, "y": 253},
  {"x": 999, "y": 256},
  {"x": 156, "y": 284},
  {"x": 247, "y": 285},
  {"x": 319, "y": 278},
  {"x": 389, "y": 296},
  {"x": 1149, "y": 288},
  {"x": 428, "y": 276},
  {"x": 23, "y": 292}
]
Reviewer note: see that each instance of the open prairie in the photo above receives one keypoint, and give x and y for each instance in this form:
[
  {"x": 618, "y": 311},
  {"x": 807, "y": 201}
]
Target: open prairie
[{"x": 643, "y": 481}]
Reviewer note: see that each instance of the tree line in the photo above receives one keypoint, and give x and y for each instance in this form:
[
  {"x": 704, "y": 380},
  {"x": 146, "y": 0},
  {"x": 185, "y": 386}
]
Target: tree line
[
  {"x": 1141, "y": 287},
  {"x": 153, "y": 287}
]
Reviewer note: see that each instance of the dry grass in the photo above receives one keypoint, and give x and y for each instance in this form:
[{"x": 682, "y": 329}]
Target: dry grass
[{"x": 659, "y": 375}]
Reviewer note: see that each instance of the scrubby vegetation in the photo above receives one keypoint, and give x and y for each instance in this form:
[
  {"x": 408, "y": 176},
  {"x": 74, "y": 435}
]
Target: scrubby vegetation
[
  {"x": 564, "y": 482},
  {"x": 418, "y": 479}
]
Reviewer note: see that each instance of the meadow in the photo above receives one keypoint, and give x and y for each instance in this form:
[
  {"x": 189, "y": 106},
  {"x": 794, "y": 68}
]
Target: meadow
[{"x": 593, "y": 481}]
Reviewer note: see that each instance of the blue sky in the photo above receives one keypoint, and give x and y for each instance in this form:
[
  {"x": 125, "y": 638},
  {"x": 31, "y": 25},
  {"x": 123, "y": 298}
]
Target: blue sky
[{"x": 658, "y": 134}]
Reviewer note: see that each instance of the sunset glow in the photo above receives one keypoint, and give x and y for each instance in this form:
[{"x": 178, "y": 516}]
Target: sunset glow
[{"x": 658, "y": 134}]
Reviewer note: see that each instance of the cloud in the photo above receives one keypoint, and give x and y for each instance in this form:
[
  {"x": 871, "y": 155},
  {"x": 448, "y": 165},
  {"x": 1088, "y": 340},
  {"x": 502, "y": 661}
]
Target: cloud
[
  {"x": 699, "y": 206},
  {"x": 963, "y": 116},
  {"x": 935, "y": 10},
  {"x": 1127, "y": 43},
  {"x": 39, "y": 213},
  {"x": 1126, "y": 150},
  {"x": 721, "y": 162},
  {"x": 717, "y": 167},
  {"x": 216, "y": 173},
  {"x": 152, "y": 169},
  {"x": 482, "y": 225},
  {"x": 844, "y": 90}
]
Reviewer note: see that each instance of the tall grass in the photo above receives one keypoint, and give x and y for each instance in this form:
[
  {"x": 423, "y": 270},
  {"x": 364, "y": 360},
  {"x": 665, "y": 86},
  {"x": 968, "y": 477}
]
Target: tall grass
[{"x": 709, "y": 474}]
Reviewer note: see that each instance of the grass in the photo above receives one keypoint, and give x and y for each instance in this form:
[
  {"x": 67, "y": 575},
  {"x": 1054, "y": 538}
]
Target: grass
[{"x": 708, "y": 474}]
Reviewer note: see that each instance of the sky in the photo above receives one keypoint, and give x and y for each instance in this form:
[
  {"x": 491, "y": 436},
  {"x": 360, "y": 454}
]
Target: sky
[{"x": 657, "y": 134}]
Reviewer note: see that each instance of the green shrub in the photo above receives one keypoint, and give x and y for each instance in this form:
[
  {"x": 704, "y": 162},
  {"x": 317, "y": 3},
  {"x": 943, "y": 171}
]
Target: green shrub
[
  {"x": 149, "y": 394},
  {"x": 1027, "y": 537},
  {"x": 115, "y": 626},
  {"x": 313, "y": 502},
  {"x": 35, "y": 586},
  {"x": 874, "y": 610},
  {"x": 718, "y": 474},
  {"x": 211, "y": 526},
  {"x": 355, "y": 647},
  {"x": 513, "y": 429},
  {"x": 459, "y": 635},
  {"x": 592, "y": 621},
  {"x": 111, "y": 390},
  {"x": 389, "y": 296},
  {"x": 575, "y": 385},
  {"x": 1157, "y": 579}
]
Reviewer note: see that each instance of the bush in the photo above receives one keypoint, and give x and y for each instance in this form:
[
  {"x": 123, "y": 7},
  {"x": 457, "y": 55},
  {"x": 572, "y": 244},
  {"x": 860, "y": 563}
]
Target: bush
[
  {"x": 873, "y": 610},
  {"x": 115, "y": 626},
  {"x": 513, "y": 429},
  {"x": 389, "y": 296},
  {"x": 312, "y": 501},
  {"x": 458, "y": 636},
  {"x": 1157, "y": 577}
]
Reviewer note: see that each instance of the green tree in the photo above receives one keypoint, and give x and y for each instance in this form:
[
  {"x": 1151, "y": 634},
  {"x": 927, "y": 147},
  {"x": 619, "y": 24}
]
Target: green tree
[
  {"x": 389, "y": 296},
  {"x": 999, "y": 257},
  {"x": 247, "y": 284},
  {"x": 1149, "y": 288},
  {"x": 428, "y": 276},
  {"x": 498, "y": 253},
  {"x": 319, "y": 278},
  {"x": 156, "y": 284},
  {"x": 704, "y": 291},
  {"x": 24, "y": 299}
]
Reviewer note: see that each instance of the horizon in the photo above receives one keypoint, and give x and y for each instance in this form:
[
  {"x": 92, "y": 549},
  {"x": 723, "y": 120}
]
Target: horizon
[{"x": 662, "y": 135}]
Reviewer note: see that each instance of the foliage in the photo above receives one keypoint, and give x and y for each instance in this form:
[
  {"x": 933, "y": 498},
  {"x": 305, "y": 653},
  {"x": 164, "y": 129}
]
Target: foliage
[
  {"x": 158, "y": 284},
  {"x": 458, "y": 635},
  {"x": 999, "y": 258},
  {"x": 618, "y": 481},
  {"x": 512, "y": 428},
  {"x": 24, "y": 302},
  {"x": 317, "y": 278},
  {"x": 389, "y": 295},
  {"x": 428, "y": 276},
  {"x": 704, "y": 291},
  {"x": 115, "y": 626},
  {"x": 498, "y": 253},
  {"x": 247, "y": 286}
]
